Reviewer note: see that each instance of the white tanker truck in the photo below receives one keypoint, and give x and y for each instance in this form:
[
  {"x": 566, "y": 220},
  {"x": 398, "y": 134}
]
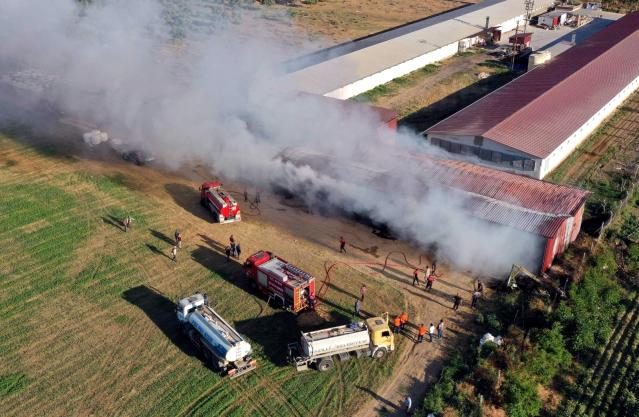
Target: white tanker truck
[
  {"x": 371, "y": 337},
  {"x": 221, "y": 345}
]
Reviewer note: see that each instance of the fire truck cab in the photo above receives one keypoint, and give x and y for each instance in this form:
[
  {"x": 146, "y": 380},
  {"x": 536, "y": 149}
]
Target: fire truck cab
[
  {"x": 290, "y": 287},
  {"x": 224, "y": 207}
]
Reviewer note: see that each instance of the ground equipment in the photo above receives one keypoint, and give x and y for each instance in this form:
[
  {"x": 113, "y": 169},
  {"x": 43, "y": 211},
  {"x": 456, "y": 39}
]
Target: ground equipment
[
  {"x": 285, "y": 284},
  {"x": 522, "y": 278},
  {"x": 224, "y": 207},
  {"x": 371, "y": 337},
  {"x": 221, "y": 345}
]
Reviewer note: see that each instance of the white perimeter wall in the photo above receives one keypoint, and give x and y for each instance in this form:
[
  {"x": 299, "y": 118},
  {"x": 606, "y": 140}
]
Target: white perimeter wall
[
  {"x": 574, "y": 140},
  {"x": 382, "y": 77}
]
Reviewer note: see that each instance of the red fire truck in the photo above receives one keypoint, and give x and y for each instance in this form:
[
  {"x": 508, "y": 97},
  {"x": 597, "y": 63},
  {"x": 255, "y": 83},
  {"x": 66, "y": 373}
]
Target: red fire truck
[
  {"x": 289, "y": 286},
  {"x": 222, "y": 205}
]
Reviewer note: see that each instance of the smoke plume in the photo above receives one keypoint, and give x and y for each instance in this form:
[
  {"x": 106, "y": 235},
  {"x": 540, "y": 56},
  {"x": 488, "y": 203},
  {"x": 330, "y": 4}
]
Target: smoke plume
[{"x": 203, "y": 81}]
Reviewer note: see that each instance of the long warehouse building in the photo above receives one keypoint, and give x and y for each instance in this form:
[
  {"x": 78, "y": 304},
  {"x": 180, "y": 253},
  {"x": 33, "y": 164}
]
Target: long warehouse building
[
  {"x": 530, "y": 125},
  {"x": 349, "y": 69},
  {"x": 547, "y": 215}
]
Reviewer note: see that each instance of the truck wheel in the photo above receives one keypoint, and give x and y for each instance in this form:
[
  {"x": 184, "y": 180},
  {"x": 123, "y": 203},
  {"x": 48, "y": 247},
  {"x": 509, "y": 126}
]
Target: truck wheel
[
  {"x": 325, "y": 364},
  {"x": 379, "y": 353}
]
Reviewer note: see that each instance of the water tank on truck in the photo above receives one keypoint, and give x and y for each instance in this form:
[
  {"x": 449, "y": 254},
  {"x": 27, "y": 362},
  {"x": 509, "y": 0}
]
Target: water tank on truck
[
  {"x": 372, "y": 338},
  {"x": 284, "y": 283},
  {"x": 221, "y": 345}
]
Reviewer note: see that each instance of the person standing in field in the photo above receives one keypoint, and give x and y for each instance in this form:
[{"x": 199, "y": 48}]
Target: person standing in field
[
  {"x": 127, "y": 223},
  {"x": 342, "y": 244},
  {"x": 174, "y": 253},
  {"x": 440, "y": 329},
  {"x": 408, "y": 404},
  {"x": 227, "y": 250},
  {"x": 416, "y": 276},
  {"x": 431, "y": 332},
  {"x": 429, "y": 282},
  {"x": 426, "y": 273},
  {"x": 403, "y": 320},
  {"x": 362, "y": 292},
  {"x": 475, "y": 299},
  {"x": 238, "y": 250},
  {"x": 397, "y": 323},
  {"x": 245, "y": 194},
  {"x": 456, "y": 302},
  {"x": 434, "y": 267},
  {"x": 233, "y": 249},
  {"x": 358, "y": 305},
  {"x": 420, "y": 333},
  {"x": 178, "y": 238}
]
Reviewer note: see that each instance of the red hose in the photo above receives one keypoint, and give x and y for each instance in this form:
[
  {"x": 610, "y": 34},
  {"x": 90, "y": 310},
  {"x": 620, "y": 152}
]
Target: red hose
[{"x": 329, "y": 265}]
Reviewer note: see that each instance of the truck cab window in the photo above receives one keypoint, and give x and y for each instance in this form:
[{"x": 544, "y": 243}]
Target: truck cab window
[{"x": 386, "y": 333}]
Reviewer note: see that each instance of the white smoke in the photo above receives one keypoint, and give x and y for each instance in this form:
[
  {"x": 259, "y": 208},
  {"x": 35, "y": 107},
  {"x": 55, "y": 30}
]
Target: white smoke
[{"x": 185, "y": 81}]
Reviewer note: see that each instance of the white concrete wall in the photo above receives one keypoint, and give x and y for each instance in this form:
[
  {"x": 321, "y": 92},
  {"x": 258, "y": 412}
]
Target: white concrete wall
[
  {"x": 382, "y": 77},
  {"x": 511, "y": 24},
  {"x": 574, "y": 140}
]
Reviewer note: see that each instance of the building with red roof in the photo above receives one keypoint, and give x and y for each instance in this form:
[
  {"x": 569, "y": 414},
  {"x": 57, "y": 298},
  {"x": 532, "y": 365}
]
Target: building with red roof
[
  {"x": 550, "y": 213},
  {"x": 530, "y": 125}
]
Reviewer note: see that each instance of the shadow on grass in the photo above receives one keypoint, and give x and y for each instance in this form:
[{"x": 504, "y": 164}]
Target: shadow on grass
[
  {"x": 156, "y": 251},
  {"x": 113, "y": 221},
  {"x": 161, "y": 311},
  {"x": 189, "y": 199},
  {"x": 162, "y": 237}
]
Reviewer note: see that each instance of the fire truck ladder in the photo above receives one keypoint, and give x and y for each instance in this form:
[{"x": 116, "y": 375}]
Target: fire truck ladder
[{"x": 296, "y": 271}]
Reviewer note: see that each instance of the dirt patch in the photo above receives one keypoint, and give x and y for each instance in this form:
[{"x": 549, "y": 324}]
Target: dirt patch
[
  {"x": 549, "y": 398},
  {"x": 343, "y": 20},
  {"x": 35, "y": 226}
]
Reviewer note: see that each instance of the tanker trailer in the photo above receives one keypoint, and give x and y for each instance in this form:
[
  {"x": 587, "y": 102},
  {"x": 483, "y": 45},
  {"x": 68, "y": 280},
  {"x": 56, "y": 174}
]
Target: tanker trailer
[
  {"x": 369, "y": 338},
  {"x": 221, "y": 345}
]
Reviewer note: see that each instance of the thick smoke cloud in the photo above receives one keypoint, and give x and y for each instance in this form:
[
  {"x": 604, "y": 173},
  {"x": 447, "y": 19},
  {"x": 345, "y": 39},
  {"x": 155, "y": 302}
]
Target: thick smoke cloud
[{"x": 187, "y": 83}]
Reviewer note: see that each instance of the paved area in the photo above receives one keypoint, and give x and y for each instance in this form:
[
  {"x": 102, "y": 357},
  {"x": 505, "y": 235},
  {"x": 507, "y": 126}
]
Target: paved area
[{"x": 558, "y": 41}]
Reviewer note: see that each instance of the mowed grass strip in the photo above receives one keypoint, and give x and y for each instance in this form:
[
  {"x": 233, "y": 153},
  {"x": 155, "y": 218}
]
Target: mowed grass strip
[{"x": 71, "y": 343}]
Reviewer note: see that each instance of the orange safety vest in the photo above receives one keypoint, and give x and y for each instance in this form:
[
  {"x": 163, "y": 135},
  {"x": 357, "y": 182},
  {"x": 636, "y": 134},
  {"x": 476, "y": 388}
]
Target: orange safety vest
[
  {"x": 404, "y": 318},
  {"x": 422, "y": 330},
  {"x": 397, "y": 322}
]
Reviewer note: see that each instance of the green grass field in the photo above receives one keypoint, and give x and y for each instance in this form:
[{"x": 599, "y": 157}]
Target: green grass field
[{"x": 83, "y": 330}]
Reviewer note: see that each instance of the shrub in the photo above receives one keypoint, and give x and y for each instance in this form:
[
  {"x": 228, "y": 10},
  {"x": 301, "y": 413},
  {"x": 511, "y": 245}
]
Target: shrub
[
  {"x": 486, "y": 379},
  {"x": 520, "y": 396},
  {"x": 549, "y": 354},
  {"x": 593, "y": 306}
]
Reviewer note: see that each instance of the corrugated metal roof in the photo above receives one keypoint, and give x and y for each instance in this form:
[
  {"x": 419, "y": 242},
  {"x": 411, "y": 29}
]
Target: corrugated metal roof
[
  {"x": 362, "y": 58},
  {"x": 517, "y": 201},
  {"x": 538, "y": 111}
]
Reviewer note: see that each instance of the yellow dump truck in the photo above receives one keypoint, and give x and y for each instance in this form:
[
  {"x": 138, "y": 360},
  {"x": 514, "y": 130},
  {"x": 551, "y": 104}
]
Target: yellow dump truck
[{"x": 371, "y": 337}]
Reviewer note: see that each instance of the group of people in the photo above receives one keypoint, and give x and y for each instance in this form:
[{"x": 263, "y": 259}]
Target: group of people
[
  {"x": 400, "y": 322},
  {"x": 233, "y": 249},
  {"x": 178, "y": 245},
  {"x": 478, "y": 291},
  {"x": 430, "y": 276}
]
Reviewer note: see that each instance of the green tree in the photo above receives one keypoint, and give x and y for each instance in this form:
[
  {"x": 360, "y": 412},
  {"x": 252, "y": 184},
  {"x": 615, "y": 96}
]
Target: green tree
[{"x": 520, "y": 396}]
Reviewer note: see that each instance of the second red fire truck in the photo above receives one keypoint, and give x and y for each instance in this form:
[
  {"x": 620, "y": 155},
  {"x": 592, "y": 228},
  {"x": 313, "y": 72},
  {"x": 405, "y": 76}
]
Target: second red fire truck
[{"x": 287, "y": 285}]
